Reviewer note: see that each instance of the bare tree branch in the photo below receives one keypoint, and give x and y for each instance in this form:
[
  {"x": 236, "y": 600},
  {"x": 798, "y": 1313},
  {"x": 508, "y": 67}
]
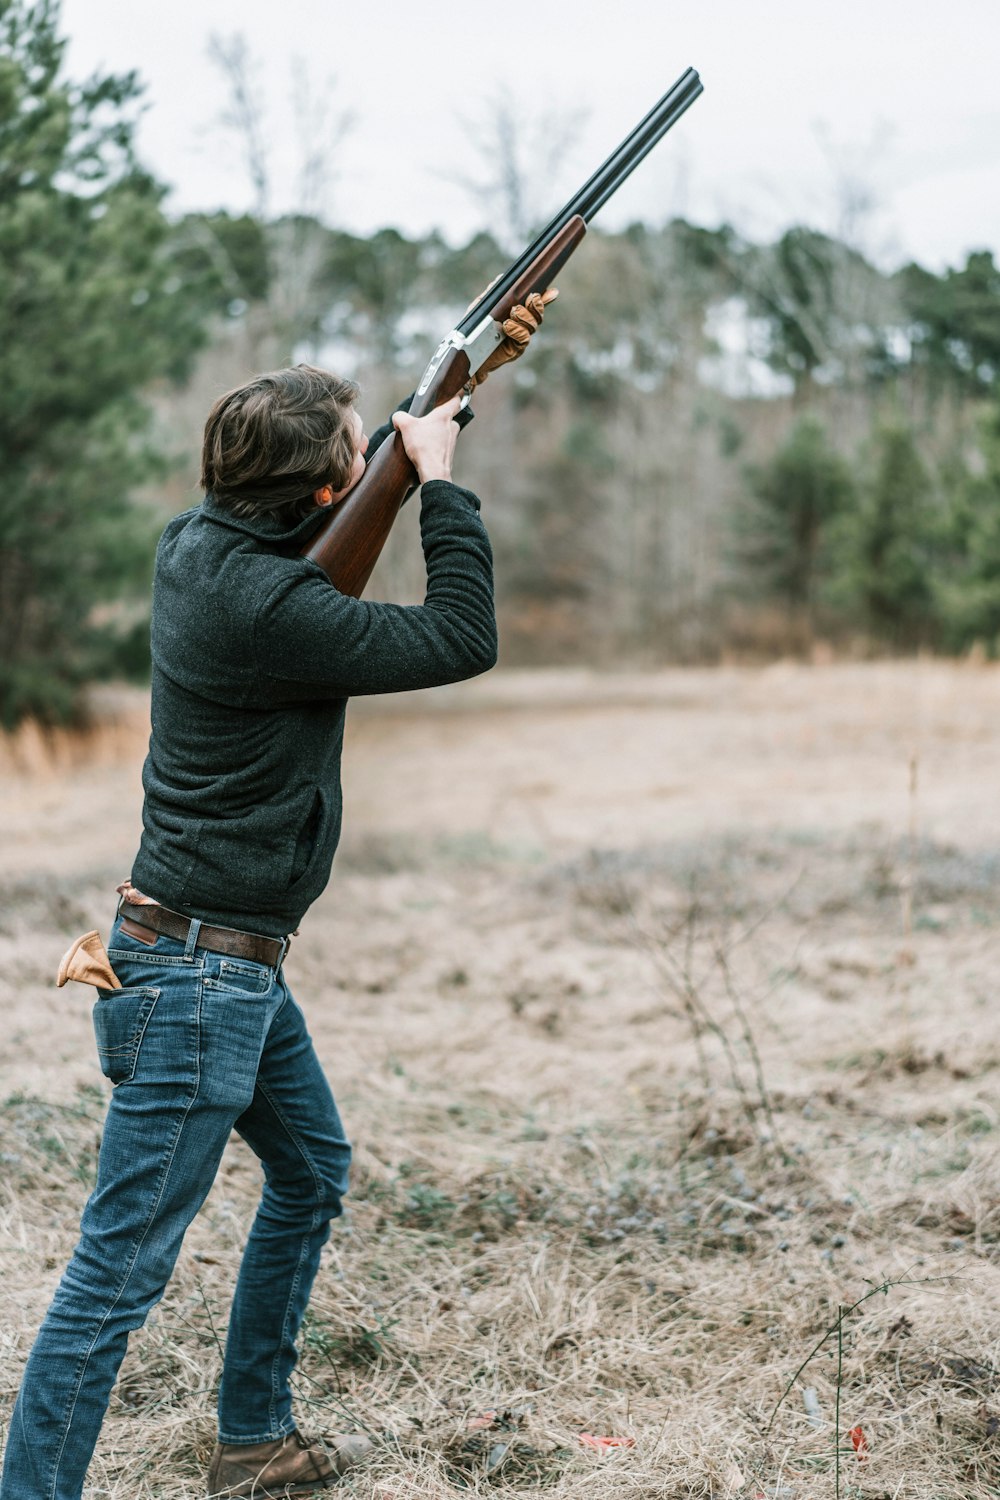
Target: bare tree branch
[
  {"x": 245, "y": 113},
  {"x": 320, "y": 130},
  {"x": 523, "y": 159}
]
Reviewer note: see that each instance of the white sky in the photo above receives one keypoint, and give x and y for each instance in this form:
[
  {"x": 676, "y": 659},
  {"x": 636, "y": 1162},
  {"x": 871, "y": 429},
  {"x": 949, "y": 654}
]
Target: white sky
[{"x": 905, "y": 92}]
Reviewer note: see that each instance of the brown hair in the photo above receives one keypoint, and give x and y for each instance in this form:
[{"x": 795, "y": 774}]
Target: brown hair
[{"x": 271, "y": 443}]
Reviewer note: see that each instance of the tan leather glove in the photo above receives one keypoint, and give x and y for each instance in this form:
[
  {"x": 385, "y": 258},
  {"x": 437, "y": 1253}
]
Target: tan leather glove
[
  {"x": 87, "y": 961},
  {"x": 524, "y": 319}
]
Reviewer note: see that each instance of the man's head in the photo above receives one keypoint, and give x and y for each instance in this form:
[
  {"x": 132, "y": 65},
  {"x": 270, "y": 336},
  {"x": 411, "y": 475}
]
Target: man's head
[{"x": 283, "y": 444}]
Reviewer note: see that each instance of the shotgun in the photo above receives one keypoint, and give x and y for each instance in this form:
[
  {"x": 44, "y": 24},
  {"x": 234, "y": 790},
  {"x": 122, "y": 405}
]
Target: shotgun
[{"x": 348, "y": 543}]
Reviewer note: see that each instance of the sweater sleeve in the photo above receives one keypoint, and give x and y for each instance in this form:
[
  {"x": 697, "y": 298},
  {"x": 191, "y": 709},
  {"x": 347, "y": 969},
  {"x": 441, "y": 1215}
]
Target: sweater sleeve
[{"x": 308, "y": 636}]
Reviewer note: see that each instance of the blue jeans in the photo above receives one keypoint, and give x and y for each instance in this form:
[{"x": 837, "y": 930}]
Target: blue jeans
[{"x": 195, "y": 1045}]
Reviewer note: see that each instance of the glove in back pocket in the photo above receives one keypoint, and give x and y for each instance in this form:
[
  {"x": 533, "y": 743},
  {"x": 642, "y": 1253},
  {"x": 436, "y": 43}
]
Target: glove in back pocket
[{"x": 120, "y": 1021}]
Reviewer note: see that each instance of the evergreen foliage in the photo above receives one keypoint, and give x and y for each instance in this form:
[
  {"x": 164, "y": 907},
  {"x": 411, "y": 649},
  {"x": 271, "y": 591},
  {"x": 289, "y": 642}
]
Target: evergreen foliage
[
  {"x": 967, "y": 583},
  {"x": 957, "y": 319},
  {"x": 94, "y": 307},
  {"x": 784, "y": 529},
  {"x": 227, "y": 256},
  {"x": 884, "y": 545}
]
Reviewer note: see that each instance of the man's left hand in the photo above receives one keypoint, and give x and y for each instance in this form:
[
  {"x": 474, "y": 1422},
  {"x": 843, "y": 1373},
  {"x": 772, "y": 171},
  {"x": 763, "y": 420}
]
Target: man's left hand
[{"x": 524, "y": 320}]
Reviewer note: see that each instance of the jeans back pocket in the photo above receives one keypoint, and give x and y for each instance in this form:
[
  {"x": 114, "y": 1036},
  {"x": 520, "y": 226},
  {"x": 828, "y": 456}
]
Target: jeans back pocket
[{"x": 120, "y": 1021}]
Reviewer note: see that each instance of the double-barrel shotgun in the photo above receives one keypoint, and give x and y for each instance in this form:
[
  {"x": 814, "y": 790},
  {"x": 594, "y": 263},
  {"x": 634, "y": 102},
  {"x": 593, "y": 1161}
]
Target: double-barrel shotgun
[{"x": 348, "y": 543}]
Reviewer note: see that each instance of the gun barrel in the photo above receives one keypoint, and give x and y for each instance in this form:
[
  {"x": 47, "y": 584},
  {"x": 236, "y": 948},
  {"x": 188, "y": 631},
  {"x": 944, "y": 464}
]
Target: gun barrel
[
  {"x": 667, "y": 113},
  {"x": 599, "y": 186},
  {"x": 626, "y": 157}
]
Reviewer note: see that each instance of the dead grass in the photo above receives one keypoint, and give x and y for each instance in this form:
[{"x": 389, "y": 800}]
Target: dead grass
[{"x": 635, "y": 1121}]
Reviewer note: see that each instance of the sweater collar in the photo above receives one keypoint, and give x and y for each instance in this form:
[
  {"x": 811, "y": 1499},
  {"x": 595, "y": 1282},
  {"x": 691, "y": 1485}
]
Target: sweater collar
[{"x": 264, "y": 528}]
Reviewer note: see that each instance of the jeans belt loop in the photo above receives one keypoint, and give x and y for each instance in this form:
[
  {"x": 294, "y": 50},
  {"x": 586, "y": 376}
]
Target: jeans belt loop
[{"x": 194, "y": 932}]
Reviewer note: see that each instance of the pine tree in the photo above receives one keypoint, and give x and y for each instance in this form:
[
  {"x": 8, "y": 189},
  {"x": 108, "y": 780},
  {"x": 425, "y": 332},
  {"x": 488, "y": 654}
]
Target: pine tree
[
  {"x": 783, "y": 531},
  {"x": 967, "y": 582},
  {"x": 956, "y": 320},
  {"x": 93, "y": 308},
  {"x": 884, "y": 549}
]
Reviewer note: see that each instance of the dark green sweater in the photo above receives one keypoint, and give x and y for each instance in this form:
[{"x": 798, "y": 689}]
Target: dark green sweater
[{"x": 255, "y": 654}]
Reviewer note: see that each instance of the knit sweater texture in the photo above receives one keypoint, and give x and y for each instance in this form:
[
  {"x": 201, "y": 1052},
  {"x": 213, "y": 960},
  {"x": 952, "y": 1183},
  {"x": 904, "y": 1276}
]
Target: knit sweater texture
[{"x": 255, "y": 654}]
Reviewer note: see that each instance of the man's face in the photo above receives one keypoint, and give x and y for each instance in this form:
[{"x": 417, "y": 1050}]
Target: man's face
[{"x": 359, "y": 458}]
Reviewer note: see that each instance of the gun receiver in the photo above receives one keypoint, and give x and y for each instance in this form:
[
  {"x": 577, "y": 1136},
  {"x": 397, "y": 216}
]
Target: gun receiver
[{"x": 348, "y": 543}]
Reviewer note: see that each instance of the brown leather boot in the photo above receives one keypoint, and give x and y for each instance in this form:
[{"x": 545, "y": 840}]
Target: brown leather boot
[{"x": 293, "y": 1465}]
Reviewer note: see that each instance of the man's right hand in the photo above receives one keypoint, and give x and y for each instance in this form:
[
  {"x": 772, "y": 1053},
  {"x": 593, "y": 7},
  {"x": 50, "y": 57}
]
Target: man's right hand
[{"x": 430, "y": 441}]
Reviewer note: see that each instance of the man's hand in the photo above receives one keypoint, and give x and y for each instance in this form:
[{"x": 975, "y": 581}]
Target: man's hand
[
  {"x": 430, "y": 441},
  {"x": 524, "y": 320}
]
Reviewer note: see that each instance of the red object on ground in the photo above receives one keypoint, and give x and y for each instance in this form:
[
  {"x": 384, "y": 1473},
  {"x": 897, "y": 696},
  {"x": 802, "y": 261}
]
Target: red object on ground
[
  {"x": 859, "y": 1443},
  {"x": 602, "y": 1444}
]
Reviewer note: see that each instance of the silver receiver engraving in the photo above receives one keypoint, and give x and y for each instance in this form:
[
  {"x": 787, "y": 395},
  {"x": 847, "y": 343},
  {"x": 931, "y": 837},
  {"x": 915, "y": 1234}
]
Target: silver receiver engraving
[
  {"x": 481, "y": 342},
  {"x": 477, "y": 347},
  {"x": 453, "y": 341}
]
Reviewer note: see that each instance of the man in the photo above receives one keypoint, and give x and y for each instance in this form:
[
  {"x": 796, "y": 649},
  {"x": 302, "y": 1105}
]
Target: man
[{"x": 255, "y": 654}]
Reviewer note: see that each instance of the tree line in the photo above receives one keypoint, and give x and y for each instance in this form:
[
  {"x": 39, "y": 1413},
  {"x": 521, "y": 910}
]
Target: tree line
[{"x": 714, "y": 446}]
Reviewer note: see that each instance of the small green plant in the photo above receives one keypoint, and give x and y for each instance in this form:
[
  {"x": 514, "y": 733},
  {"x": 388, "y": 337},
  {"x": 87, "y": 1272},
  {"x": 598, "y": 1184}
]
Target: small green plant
[
  {"x": 836, "y": 1330},
  {"x": 426, "y": 1207},
  {"x": 360, "y": 1347}
]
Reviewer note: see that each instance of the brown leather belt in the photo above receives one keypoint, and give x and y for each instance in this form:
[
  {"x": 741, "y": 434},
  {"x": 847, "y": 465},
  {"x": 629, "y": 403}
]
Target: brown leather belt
[{"x": 230, "y": 940}]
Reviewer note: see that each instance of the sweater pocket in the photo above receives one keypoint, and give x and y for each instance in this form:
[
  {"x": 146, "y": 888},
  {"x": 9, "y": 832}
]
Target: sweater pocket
[
  {"x": 314, "y": 850},
  {"x": 308, "y": 839},
  {"x": 238, "y": 865}
]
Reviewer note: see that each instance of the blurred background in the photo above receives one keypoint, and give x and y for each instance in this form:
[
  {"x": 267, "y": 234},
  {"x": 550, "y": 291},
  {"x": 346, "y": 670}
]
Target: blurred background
[
  {"x": 761, "y": 420},
  {"x": 657, "y": 973}
]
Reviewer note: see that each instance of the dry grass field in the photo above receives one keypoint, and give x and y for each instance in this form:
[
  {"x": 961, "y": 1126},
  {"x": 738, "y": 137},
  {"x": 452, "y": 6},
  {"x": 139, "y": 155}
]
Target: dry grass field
[{"x": 660, "y": 1010}]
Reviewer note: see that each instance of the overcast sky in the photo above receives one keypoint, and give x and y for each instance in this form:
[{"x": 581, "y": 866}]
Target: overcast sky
[{"x": 808, "y": 106}]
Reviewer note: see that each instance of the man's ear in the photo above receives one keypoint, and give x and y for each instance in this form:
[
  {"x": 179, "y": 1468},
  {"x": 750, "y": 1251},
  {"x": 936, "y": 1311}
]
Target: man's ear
[{"x": 324, "y": 496}]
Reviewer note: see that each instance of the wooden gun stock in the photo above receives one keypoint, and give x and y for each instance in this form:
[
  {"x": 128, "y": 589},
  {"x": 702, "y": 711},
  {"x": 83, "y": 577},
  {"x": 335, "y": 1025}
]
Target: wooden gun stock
[{"x": 348, "y": 543}]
